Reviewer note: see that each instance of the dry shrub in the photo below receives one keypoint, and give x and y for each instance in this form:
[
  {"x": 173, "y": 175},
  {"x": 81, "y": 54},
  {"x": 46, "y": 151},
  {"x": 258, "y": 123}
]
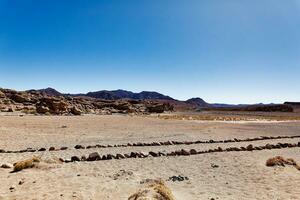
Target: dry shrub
[
  {"x": 155, "y": 190},
  {"x": 28, "y": 163},
  {"x": 280, "y": 161}
]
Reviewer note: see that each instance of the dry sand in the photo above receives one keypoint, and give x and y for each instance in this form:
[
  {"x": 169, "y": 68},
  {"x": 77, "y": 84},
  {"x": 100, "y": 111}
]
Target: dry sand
[{"x": 239, "y": 175}]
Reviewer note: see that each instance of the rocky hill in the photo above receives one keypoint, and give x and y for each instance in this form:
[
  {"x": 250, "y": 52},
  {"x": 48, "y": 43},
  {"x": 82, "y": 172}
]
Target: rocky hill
[
  {"x": 48, "y": 91},
  {"x": 50, "y": 102},
  {"x": 198, "y": 102},
  {"x": 128, "y": 95}
]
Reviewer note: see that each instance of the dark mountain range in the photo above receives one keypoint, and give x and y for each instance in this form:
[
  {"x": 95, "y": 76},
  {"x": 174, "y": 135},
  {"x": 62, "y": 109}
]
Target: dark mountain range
[
  {"x": 123, "y": 94},
  {"x": 111, "y": 95}
]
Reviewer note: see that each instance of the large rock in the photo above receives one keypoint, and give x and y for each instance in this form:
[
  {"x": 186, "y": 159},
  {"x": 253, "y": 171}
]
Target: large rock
[
  {"x": 54, "y": 105},
  {"x": 76, "y": 111},
  {"x": 157, "y": 107},
  {"x": 94, "y": 156},
  {"x": 75, "y": 159},
  {"x": 2, "y": 95},
  {"x": 42, "y": 109},
  {"x": 6, "y": 166},
  {"x": 20, "y": 98}
]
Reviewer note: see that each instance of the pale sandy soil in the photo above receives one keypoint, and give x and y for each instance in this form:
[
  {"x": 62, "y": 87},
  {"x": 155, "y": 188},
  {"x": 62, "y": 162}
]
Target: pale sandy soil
[{"x": 240, "y": 175}]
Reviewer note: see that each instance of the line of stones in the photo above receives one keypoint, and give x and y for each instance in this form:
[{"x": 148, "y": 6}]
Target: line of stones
[
  {"x": 95, "y": 156},
  {"x": 143, "y": 144}
]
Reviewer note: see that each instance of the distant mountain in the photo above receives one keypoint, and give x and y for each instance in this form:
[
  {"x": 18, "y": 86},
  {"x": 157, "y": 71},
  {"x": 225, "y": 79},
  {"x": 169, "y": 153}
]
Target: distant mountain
[
  {"x": 197, "y": 102},
  {"x": 48, "y": 91}
]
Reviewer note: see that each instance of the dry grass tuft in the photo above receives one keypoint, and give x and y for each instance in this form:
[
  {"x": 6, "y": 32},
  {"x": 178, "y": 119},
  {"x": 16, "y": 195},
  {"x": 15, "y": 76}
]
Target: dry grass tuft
[
  {"x": 280, "y": 161},
  {"x": 28, "y": 163},
  {"x": 155, "y": 190}
]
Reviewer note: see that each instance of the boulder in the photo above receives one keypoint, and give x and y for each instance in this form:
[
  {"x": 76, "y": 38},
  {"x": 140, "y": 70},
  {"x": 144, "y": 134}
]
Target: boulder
[
  {"x": 19, "y": 98},
  {"x": 2, "y": 95},
  {"x": 52, "y": 104},
  {"x": 127, "y": 155},
  {"x": 42, "y": 149},
  {"x": 269, "y": 146},
  {"x": 75, "y": 159},
  {"x": 153, "y": 154},
  {"x": 193, "y": 152},
  {"x": 250, "y": 147},
  {"x": 76, "y": 111},
  {"x": 83, "y": 158},
  {"x": 133, "y": 155},
  {"x": 109, "y": 156},
  {"x": 120, "y": 156},
  {"x": 42, "y": 109},
  {"x": 78, "y": 146},
  {"x": 93, "y": 157},
  {"x": 6, "y": 166},
  {"x": 52, "y": 149},
  {"x": 184, "y": 152},
  {"x": 158, "y": 107}
]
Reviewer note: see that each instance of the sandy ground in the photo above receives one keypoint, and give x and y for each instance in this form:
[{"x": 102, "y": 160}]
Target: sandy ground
[{"x": 240, "y": 175}]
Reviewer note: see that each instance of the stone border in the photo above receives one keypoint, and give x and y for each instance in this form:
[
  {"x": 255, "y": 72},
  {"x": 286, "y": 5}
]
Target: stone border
[
  {"x": 95, "y": 156},
  {"x": 144, "y": 144}
]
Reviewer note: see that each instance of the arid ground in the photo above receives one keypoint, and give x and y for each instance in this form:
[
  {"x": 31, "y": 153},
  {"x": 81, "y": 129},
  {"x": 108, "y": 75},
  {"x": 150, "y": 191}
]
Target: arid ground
[{"x": 207, "y": 175}]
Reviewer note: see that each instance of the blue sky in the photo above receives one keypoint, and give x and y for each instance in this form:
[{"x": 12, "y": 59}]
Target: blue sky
[{"x": 229, "y": 51}]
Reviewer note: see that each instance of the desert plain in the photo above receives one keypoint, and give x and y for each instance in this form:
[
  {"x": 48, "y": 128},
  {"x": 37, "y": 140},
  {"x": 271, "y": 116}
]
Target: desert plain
[{"x": 210, "y": 174}]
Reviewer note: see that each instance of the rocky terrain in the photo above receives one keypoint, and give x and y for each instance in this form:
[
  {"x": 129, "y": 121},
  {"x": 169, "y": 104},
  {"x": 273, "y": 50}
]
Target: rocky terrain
[{"x": 39, "y": 102}]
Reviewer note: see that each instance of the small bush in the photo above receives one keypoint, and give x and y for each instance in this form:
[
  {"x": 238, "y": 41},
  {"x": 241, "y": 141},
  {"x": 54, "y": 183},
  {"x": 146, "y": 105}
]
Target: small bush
[
  {"x": 24, "y": 164},
  {"x": 155, "y": 190},
  {"x": 280, "y": 161}
]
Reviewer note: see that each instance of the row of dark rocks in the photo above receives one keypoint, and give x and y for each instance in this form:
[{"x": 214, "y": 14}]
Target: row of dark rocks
[
  {"x": 95, "y": 156},
  {"x": 143, "y": 144}
]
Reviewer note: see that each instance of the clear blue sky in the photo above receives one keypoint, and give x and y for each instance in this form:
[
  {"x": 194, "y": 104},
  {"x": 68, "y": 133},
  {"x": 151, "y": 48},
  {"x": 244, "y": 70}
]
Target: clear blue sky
[{"x": 230, "y": 51}]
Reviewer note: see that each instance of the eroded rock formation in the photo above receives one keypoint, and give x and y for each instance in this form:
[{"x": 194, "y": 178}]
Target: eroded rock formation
[{"x": 35, "y": 102}]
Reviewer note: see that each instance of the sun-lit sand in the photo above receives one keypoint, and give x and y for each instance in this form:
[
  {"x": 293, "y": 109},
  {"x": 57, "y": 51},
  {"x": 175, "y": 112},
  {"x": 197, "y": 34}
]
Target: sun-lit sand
[{"x": 219, "y": 175}]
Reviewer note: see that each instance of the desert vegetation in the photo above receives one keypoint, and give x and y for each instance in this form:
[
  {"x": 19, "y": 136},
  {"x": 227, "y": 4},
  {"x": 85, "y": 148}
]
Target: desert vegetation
[
  {"x": 280, "y": 161},
  {"x": 28, "y": 163},
  {"x": 153, "y": 190}
]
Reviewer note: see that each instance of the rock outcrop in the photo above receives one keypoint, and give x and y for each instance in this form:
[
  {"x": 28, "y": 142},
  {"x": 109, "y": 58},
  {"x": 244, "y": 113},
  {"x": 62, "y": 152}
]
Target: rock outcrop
[{"x": 36, "y": 102}]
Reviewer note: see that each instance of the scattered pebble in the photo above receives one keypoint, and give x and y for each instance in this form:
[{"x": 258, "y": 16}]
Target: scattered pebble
[
  {"x": 178, "y": 178},
  {"x": 21, "y": 182},
  {"x": 12, "y": 188},
  {"x": 214, "y": 165},
  {"x": 7, "y": 166}
]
